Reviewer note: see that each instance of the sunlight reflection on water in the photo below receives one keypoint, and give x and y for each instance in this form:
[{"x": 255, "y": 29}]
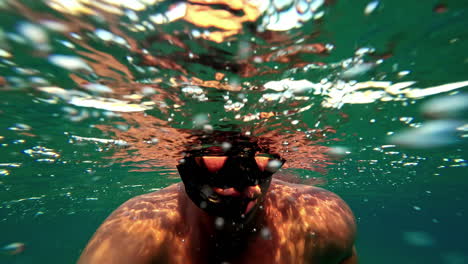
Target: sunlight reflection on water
[{"x": 152, "y": 69}]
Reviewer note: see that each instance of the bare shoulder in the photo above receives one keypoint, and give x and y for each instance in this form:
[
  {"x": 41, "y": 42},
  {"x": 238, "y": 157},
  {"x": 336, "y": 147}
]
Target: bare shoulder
[
  {"x": 310, "y": 198},
  {"x": 321, "y": 216},
  {"x": 160, "y": 201},
  {"x": 134, "y": 230}
]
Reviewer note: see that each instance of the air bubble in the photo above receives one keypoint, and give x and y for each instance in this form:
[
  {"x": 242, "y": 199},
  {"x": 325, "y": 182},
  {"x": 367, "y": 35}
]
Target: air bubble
[{"x": 219, "y": 223}]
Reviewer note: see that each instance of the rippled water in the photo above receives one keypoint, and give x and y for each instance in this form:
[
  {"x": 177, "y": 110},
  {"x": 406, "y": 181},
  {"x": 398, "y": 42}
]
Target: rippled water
[{"x": 367, "y": 99}]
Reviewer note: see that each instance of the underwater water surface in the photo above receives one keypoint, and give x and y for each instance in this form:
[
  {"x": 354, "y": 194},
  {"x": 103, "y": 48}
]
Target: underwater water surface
[{"x": 368, "y": 99}]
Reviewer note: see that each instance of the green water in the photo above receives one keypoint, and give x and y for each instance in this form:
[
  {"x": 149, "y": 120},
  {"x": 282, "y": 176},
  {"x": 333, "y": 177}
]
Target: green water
[{"x": 409, "y": 200}]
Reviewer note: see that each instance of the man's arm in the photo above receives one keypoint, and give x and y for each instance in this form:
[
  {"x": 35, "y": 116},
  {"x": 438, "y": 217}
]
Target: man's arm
[
  {"x": 335, "y": 225},
  {"x": 353, "y": 259},
  {"x": 118, "y": 247},
  {"x": 127, "y": 236}
]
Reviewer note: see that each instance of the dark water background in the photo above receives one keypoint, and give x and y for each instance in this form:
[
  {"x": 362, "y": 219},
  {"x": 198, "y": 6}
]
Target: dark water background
[{"x": 410, "y": 199}]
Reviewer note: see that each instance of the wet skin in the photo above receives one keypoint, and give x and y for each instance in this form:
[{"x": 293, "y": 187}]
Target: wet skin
[{"x": 290, "y": 223}]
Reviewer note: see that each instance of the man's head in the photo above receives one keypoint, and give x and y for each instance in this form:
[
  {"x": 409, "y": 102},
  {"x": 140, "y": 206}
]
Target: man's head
[{"x": 228, "y": 181}]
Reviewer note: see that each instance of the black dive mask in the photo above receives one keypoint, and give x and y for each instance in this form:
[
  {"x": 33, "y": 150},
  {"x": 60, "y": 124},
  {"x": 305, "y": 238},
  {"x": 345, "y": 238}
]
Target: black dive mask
[{"x": 228, "y": 186}]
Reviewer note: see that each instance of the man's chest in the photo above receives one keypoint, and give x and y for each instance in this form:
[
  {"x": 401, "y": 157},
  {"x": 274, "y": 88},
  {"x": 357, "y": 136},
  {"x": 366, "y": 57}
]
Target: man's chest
[
  {"x": 265, "y": 246},
  {"x": 278, "y": 246}
]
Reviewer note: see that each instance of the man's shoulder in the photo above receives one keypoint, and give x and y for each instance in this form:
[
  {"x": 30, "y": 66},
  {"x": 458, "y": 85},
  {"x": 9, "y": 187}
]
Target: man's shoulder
[
  {"x": 163, "y": 198},
  {"x": 311, "y": 210},
  {"x": 150, "y": 205},
  {"x": 306, "y": 195},
  {"x": 137, "y": 231}
]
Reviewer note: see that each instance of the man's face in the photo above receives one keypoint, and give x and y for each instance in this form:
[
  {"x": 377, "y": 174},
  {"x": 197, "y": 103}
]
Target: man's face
[{"x": 228, "y": 186}]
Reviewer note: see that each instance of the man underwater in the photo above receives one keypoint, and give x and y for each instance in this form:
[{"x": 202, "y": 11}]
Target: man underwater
[{"x": 228, "y": 209}]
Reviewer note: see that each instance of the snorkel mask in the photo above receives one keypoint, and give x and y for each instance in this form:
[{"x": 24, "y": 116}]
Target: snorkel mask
[{"x": 228, "y": 184}]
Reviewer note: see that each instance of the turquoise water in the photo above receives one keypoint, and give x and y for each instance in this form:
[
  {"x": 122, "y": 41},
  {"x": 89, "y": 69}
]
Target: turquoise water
[{"x": 97, "y": 104}]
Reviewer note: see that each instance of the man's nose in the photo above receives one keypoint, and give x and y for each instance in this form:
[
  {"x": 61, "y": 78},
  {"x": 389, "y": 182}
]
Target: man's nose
[{"x": 252, "y": 192}]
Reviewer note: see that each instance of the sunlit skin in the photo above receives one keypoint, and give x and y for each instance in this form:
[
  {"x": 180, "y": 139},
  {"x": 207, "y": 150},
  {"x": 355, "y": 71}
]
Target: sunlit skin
[{"x": 264, "y": 220}]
